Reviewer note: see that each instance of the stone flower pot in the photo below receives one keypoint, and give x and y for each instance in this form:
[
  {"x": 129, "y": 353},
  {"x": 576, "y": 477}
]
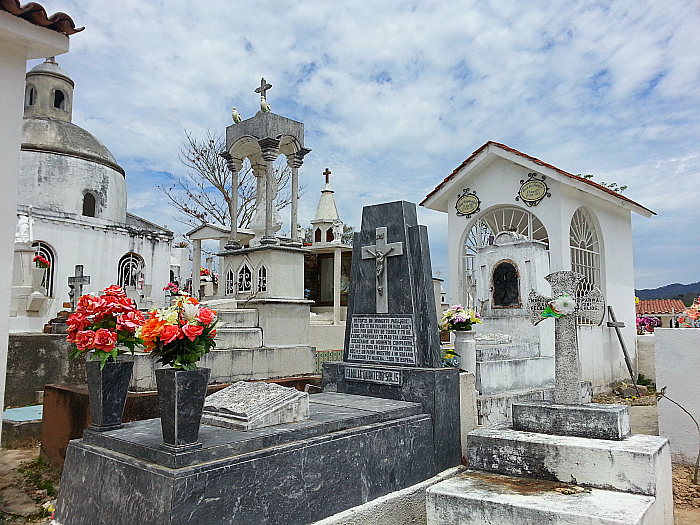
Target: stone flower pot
[
  {"x": 107, "y": 389},
  {"x": 181, "y": 396},
  {"x": 465, "y": 346},
  {"x": 38, "y": 278}
]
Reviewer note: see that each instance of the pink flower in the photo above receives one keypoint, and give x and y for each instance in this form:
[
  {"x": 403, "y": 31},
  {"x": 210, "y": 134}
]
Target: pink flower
[
  {"x": 89, "y": 305},
  {"x": 170, "y": 333},
  {"x": 77, "y": 322},
  {"x": 192, "y": 331},
  {"x": 206, "y": 315},
  {"x": 105, "y": 340},
  {"x": 115, "y": 291},
  {"x": 110, "y": 305},
  {"x": 72, "y": 332},
  {"x": 127, "y": 305},
  {"x": 85, "y": 340},
  {"x": 130, "y": 321}
]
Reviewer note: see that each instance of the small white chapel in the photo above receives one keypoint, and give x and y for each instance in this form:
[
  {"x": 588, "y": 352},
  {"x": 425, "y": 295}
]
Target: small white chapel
[
  {"x": 71, "y": 209},
  {"x": 570, "y": 223}
]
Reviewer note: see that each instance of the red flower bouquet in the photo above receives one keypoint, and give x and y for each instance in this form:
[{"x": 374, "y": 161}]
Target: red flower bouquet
[
  {"x": 106, "y": 324},
  {"x": 40, "y": 261}
]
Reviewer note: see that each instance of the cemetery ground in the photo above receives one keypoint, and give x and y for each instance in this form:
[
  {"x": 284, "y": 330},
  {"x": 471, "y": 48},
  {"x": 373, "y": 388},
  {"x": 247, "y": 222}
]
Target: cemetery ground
[{"x": 27, "y": 483}]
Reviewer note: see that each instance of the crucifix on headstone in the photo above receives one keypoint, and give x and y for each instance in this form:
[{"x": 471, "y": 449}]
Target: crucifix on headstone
[
  {"x": 75, "y": 284},
  {"x": 566, "y": 307},
  {"x": 380, "y": 251},
  {"x": 264, "y": 86}
]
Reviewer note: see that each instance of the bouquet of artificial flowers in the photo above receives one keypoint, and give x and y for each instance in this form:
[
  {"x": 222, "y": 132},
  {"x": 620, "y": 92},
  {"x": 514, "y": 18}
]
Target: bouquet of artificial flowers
[
  {"x": 458, "y": 318},
  {"x": 181, "y": 334},
  {"x": 40, "y": 261},
  {"x": 106, "y": 324}
]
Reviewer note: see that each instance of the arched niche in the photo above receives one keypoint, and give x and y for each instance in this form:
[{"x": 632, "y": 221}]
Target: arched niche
[{"x": 505, "y": 285}]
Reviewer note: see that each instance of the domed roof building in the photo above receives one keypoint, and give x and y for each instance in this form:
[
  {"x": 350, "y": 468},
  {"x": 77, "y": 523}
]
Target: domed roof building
[{"x": 73, "y": 193}]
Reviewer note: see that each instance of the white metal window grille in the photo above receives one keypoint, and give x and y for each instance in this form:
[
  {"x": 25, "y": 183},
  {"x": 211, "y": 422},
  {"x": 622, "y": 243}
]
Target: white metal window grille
[
  {"x": 245, "y": 279},
  {"x": 262, "y": 279},
  {"x": 483, "y": 232},
  {"x": 585, "y": 253},
  {"x": 230, "y": 282},
  {"x": 130, "y": 270},
  {"x": 43, "y": 249}
]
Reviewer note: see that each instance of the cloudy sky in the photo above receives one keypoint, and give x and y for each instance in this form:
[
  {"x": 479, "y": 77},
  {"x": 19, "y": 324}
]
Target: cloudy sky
[{"x": 395, "y": 95}]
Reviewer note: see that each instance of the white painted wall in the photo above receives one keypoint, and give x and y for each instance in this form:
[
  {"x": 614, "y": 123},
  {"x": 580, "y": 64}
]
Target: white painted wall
[
  {"x": 19, "y": 41},
  {"x": 678, "y": 368}
]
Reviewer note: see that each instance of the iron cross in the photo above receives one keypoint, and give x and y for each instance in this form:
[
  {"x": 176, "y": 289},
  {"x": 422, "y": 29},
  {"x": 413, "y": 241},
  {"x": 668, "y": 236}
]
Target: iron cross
[
  {"x": 76, "y": 286},
  {"x": 567, "y": 370},
  {"x": 327, "y": 174},
  {"x": 264, "y": 86},
  {"x": 380, "y": 251}
]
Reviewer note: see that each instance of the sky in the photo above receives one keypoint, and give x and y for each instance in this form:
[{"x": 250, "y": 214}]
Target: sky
[{"x": 394, "y": 95}]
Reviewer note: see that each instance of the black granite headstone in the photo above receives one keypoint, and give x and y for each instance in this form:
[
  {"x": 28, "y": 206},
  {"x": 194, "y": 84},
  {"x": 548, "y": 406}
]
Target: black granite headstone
[{"x": 391, "y": 306}]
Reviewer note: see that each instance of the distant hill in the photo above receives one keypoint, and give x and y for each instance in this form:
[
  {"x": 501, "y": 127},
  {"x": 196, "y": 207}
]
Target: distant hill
[{"x": 685, "y": 292}]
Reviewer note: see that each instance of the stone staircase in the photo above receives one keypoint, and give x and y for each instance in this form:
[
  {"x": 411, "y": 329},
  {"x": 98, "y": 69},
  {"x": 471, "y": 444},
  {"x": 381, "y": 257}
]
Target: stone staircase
[{"x": 508, "y": 372}]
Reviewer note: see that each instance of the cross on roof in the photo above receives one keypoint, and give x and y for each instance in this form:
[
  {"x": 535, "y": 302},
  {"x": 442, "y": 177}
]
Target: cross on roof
[
  {"x": 264, "y": 86},
  {"x": 327, "y": 173}
]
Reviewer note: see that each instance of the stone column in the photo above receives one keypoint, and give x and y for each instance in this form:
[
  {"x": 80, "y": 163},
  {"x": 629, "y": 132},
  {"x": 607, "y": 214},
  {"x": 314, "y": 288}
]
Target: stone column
[
  {"x": 196, "y": 265},
  {"x": 234, "y": 166},
  {"x": 270, "y": 150},
  {"x": 295, "y": 163},
  {"x": 336, "y": 284}
]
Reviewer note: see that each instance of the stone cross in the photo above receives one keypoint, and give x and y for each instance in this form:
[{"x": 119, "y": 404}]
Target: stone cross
[
  {"x": 327, "y": 174},
  {"x": 567, "y": 370},
  {"x": 264, "y": 86},
  {"x": 76, "y": 286},
  {"x": 380, "y": 251}
]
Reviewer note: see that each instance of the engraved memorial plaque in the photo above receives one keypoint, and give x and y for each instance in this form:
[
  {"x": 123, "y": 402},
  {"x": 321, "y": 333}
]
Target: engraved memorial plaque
[{"x": 382, "y": 339}]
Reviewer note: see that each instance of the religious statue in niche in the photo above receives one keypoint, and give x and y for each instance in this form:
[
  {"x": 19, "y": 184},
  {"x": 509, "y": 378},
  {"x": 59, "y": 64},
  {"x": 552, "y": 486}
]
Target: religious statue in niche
[{"x": 506, "y": 289}]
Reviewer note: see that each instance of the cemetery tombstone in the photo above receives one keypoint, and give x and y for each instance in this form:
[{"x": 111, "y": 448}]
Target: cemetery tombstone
[
  {"x": 76, "y": 284},
  {"x": 392, "y": 346}
]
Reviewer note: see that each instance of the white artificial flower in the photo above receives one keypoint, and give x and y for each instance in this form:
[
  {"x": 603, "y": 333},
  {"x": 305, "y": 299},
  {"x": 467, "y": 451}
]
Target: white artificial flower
[
  {"x": 563, "y": 305},
  {"x": 190, "y": 311}
]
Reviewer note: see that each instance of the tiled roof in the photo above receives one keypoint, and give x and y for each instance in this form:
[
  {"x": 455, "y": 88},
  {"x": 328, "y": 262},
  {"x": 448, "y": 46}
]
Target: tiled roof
[
  {"x": 36, "y": 14},
  {"x": 536, "y": 161},
  {"x": 660, "y": 306}
]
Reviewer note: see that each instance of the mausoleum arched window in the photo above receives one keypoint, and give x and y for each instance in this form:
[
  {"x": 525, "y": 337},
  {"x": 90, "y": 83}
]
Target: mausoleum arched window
[
  {"x": 89, "y": 205},
  {"x": 43, "y": 249},
  {"x": 262, "y": 278},
  {"x": 30, "y": 96},
  {"x": 245, "y": 278},
  {"x": 585, "y": 252},
  {"x": 230, "y": 282},
  {"x": 317, "y": 235},
  {"x": 484, "y": 230},
  {"x": 506, "y": 285},
  {"x": 59, "y": 100},
  {"x": 131, "y": 271},
  {"x": 329, "y": 235}
]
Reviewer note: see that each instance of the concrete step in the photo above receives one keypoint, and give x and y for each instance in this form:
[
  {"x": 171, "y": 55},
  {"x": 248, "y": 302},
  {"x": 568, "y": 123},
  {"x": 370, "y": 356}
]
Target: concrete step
[
  {"x": 495, "y": 352},
  {"x": 496, "y": 408},
  {"x": 478, "y": 498},
  {"x": 638, "y": 464},
  {"x": 231, "y": 337},
  {"x": 238, "y": 317},
  {"x": 504, "y": 375}
]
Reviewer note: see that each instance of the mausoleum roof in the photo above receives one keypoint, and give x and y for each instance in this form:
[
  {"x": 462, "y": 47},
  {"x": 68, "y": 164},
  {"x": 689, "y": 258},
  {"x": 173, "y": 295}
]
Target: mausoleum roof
[
  {"x": 50, "y": 67},
  {"x": 65, "y": 138},
  {"x": 493, "y": 147},
  {"x": 35, "y": 13},
  {"x": 660, "y": 306},
  {"x": 326, "y": 210}
]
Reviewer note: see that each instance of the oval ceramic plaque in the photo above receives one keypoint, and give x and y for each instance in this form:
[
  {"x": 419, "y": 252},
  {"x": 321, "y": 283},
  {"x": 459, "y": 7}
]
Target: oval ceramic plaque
[
  {"x": 467, "y": 203},
  {"x": 532, "y": 190}
]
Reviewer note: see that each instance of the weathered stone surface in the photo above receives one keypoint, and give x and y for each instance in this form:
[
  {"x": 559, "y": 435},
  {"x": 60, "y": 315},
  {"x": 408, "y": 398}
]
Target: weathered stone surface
[
  {"x": 246, "y": 406},
  {"x": 436, "y": 389},
  {"x": 292, "y": 473},
  {"x": 17, "y": 502},
  {"x": 481, "y": 498},
  {"x": 593, "y": 420}
]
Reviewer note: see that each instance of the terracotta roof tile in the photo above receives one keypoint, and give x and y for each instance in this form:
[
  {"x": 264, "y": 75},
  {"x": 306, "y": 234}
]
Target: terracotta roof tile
[
  {"x": 36, "y": 14},
  {"x": 536, "y": 161},
  {"x": 660, "y": 306}
]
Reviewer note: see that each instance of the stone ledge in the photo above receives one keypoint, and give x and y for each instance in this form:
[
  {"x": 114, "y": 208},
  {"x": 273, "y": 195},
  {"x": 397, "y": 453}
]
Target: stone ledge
[{"x": 595, "y": 421}]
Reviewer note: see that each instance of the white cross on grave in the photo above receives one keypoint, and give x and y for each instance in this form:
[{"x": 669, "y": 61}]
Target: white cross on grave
[
  {"x": 567, "y": 370},
  {"x": 76, "y": 286},
  {"x": 380, "y": 251}
]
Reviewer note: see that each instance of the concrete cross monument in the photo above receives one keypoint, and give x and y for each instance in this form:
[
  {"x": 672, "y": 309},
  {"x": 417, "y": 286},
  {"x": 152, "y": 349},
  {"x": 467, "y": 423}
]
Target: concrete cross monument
[
  {"x": 75, "y": 284},
  {"x": 567, "y": 370}
]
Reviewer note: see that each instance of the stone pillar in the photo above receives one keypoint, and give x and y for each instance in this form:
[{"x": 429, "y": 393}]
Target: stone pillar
[
  {"x": 234, "y": 166},
  {"x": 336, "y": 285},
  {"x": 196, "y": 265},
  {"x": 295, "y": 163},
  {"x": 270, "y": 150}
]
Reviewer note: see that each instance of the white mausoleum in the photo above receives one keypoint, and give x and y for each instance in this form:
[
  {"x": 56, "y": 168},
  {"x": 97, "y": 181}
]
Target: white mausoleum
[
  {"x": 584, "y": 226},
  {"x": 72, "y": 208}
]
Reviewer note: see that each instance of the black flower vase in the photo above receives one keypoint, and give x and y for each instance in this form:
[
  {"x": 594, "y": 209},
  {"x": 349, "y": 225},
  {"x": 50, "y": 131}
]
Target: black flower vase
[
  {"x": 107, "y": 389},
  {"x": 181, "y": 396}
]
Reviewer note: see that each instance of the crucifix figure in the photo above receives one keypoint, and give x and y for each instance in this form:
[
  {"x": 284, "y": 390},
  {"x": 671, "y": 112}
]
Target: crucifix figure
[
  {"x": 327, "y": 174},
  {"x": 264, "y": 86},
  {"x": 76, "y": 286},
  {"x": 566, "y": 307},
  {"x": 380, "y": 251}
]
